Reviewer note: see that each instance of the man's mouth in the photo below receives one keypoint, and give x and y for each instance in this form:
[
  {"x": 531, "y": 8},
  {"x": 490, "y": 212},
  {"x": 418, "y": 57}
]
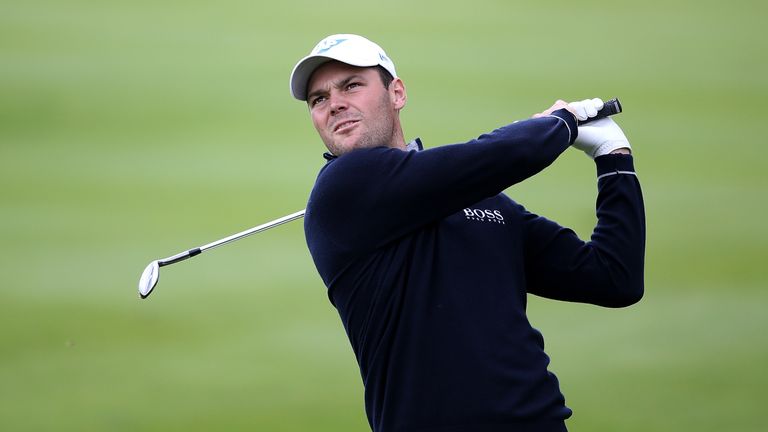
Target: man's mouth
[{"x": 344, "y": 125}]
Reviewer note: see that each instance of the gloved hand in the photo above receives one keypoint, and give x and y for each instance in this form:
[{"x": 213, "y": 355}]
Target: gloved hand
[
  {"x": 600, "y": 137},
  {"x": 586, "y": 108}
]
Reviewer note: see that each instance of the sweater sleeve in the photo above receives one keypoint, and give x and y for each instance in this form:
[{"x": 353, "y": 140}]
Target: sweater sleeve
[
  {"x": 607, "y": 270},
  {"x": 369, "y": 197}
]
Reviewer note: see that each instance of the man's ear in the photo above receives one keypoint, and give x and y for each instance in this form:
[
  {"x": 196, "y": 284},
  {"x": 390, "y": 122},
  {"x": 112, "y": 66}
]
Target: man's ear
[{"x": 398, "y": 94}]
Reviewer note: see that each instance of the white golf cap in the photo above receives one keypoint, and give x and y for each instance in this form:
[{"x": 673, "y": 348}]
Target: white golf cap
[{"x": 351, "y": 49}]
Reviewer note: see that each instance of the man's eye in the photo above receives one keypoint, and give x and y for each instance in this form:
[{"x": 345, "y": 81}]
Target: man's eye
[
  {"x": 317, "y": 100},
  {"x": 352, "y": 85}
]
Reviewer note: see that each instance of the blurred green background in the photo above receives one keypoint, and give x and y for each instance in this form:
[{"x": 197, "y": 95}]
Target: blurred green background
[{"x": 131, "y": 131}]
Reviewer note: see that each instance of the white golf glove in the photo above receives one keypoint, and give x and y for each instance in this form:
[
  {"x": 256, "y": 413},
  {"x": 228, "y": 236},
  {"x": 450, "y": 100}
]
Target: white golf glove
[
  {"x": 586, "y": 108},
  {"x": 600, "y": 137}
]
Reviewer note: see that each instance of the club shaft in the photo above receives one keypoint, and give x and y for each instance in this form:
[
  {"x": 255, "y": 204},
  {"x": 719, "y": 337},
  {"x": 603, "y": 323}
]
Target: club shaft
[
  {"x": 254, "y": 230},
  {"x": 178, "y": 257},
  {"x": 263, "y": 227}
]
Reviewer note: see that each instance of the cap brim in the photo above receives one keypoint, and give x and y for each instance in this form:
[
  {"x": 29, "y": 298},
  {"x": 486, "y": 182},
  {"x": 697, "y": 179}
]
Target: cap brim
[
  {"x": 304, "y": 69},
  {"x": 302, "y": 72}
]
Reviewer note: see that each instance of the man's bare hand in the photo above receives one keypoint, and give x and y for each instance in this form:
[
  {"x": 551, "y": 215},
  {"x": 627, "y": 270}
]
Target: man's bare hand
[{"x": 560, "y": 104}]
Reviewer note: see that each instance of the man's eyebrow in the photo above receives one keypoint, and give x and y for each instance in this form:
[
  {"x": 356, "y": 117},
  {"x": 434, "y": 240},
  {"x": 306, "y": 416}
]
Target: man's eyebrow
[
  {"x": 339, "y": 84},
  {"x": 315, "y": 93},
  {"x": 343, "y": 83}
]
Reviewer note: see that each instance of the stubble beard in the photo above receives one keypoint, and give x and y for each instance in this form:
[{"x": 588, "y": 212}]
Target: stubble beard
[{"x": 379, "y": 132}]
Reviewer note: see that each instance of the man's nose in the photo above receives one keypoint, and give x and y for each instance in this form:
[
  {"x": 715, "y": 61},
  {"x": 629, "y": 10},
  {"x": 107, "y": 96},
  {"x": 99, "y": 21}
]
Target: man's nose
[{"x": 338, "y": 104}]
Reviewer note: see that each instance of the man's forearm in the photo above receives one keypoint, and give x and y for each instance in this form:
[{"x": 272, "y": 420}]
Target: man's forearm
[{"x": 606, "y": 271}]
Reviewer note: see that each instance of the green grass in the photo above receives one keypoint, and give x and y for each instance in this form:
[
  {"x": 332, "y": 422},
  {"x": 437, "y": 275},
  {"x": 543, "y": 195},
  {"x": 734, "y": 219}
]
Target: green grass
[{"x": 131, "y": 131}]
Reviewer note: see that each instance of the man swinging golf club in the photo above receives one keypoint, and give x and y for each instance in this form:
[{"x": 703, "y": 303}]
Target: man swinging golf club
[{"x": 428, "y": 263}]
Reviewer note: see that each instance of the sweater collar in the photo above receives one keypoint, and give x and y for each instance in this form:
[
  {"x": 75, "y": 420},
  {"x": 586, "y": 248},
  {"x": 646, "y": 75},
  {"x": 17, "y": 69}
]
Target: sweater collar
[{"x": 414, "y": 145}]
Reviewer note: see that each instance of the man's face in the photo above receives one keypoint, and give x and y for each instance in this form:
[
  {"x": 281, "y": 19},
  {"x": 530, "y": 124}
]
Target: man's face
[{"x": 351, "y": 109}]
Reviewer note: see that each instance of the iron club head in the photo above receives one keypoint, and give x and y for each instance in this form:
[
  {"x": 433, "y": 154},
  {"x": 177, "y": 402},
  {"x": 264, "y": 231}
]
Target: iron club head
[{"x": 149, "y": 279}]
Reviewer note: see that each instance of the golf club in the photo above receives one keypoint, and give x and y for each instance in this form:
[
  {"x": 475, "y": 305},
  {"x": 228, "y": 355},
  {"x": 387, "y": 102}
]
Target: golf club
[
  {"x": 151, "y": 274},
  {"x": 610, "y": 107}
]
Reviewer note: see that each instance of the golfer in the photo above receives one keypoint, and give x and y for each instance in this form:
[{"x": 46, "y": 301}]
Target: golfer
[{"x": 429, "y": 264}]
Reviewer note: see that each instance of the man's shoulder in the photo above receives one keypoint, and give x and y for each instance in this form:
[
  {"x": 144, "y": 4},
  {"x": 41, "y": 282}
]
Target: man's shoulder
[
  {"x": 349, "y": 176},
  {"x": 357, "y": 168}
]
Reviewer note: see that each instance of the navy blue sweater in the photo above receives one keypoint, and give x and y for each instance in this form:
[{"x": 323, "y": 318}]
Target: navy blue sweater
[{"x": 429, "y": 264}]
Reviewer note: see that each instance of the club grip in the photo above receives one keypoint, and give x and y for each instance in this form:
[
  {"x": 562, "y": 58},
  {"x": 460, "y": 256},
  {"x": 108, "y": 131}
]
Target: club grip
[{"x": 610, "y": 107}]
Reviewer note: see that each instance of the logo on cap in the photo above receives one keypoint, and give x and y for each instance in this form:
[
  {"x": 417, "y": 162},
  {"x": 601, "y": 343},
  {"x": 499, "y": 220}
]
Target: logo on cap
[{"x": 325, "y": 45}]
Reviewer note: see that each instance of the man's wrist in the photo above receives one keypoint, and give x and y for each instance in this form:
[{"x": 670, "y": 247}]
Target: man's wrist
[
  {"x": 623, "y": 150},
  {"x": 570, "y": 121}
]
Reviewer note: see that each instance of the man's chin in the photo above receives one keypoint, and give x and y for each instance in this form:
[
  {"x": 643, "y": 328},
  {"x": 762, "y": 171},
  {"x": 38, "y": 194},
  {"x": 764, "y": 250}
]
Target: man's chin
[
  {"x": 348, "y": 143},
  {"x": 347, "y": 146}
]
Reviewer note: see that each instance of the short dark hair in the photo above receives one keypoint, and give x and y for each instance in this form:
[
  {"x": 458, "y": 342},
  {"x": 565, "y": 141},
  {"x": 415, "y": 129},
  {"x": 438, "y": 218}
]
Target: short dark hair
[{"x": 386, "y": 77}]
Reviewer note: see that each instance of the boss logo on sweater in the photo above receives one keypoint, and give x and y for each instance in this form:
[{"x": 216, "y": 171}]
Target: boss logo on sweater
[{"x": 484, "y": 215}]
